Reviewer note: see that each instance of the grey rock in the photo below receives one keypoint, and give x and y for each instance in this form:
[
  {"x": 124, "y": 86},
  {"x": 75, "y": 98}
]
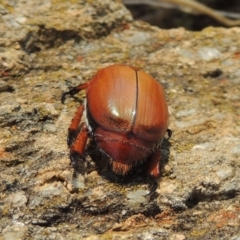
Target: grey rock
[{"x": 47, "y": 47}]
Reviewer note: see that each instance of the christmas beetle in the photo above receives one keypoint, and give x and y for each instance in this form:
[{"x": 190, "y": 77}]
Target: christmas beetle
[{"x": 126, "y": 115}]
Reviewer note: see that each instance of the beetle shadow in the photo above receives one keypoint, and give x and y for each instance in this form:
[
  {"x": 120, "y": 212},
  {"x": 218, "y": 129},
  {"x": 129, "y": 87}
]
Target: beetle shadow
[{"x": 136, "y": 176}]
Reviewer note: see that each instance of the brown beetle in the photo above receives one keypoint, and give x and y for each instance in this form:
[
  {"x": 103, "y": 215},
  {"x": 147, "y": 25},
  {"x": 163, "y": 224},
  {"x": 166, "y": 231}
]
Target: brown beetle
[{"x": 126, "y": 115}]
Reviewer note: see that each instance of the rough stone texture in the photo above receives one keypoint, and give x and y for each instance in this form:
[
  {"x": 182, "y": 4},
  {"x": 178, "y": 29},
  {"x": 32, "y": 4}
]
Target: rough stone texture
[{"x": 48, "y": 46}]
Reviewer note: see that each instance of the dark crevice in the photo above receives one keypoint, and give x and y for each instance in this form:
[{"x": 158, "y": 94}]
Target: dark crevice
[
  {"x": 6, "y": 88},
  {"x": 63, "y": 214},
  {"x": 10, "y": 186},
  {"x": 151, "y": 210},
  {"x": 19, "y": 145},
  {"x": 13, "y": 162},
  {"x": 213, "y": 74},
  {"x": 169, "y": 18},
  {"x": 197, "y": 197},
  {"x": 85, "y": 208},
  {"x": 55, "y": 179},
  {"x": 47, "y": 38},
  {"x": 48, "y": 219},
  {"x": 24, "y": 119}
]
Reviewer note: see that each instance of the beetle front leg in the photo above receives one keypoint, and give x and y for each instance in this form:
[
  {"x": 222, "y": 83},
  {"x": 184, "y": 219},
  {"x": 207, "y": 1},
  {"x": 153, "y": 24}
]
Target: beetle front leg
[
  {"x": 73, "y": 129},
  {"x": 77, "y": 149},
  {"x": 77, "y": 139}
]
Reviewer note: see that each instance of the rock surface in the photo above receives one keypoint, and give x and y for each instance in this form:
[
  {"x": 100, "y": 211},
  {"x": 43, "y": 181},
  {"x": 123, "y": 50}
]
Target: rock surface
[{"x": 48, "y": 46}]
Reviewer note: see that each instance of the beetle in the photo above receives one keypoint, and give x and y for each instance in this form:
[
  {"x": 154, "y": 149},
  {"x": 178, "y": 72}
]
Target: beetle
[{"x": 126, "y": 115}]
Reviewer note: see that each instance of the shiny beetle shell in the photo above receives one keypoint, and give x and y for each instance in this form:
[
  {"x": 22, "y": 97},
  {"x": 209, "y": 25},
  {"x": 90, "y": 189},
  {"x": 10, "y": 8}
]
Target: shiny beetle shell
[
  {"x": 131, "y": 102},
  {"x": 127, "y": 116}
]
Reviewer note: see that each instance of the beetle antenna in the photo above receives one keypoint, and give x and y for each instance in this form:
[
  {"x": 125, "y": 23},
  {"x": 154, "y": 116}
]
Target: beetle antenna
[
  {"x": 73, "y": 91},
  {"x": 169, "y": 132}
]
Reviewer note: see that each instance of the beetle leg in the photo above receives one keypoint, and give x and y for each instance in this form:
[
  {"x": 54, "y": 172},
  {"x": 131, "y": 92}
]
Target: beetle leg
[
  {"x": 154, "y": 164},
  {"x": 73, "y": 91},
  {"x": 78, "y": 147},
  {"x": 153, "y": 185},
  {"x": 73, "y": 129},
  {"x": 153, "y": 172}
]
